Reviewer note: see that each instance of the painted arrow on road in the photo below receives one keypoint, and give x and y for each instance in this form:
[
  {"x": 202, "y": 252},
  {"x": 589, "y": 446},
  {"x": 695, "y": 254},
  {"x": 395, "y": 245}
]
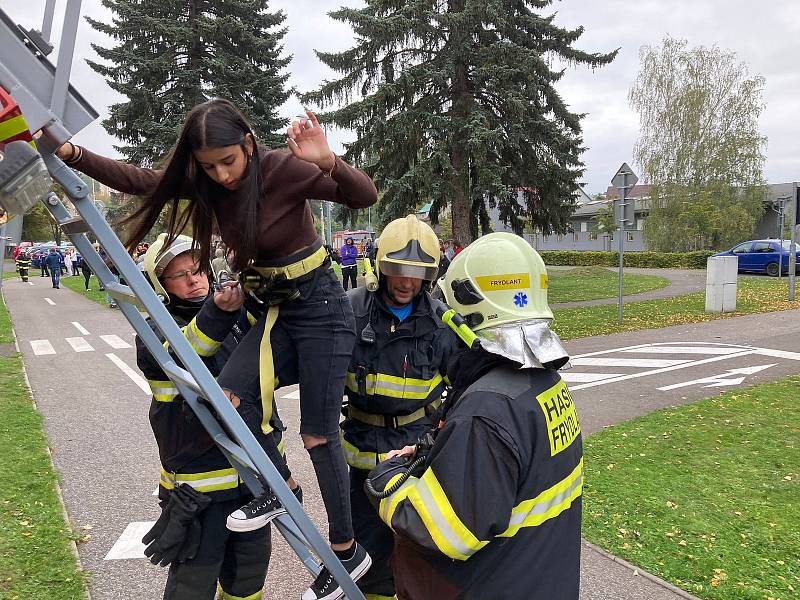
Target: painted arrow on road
[{"x": 720, "y": 380}]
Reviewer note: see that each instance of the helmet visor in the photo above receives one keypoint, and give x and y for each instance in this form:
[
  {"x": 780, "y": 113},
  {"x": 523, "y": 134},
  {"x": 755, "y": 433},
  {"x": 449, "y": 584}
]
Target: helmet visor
[{"x": 393, "y": 269}]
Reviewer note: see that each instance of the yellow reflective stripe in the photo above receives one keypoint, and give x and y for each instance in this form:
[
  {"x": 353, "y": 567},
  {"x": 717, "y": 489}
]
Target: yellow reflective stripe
[
  {"x": 379, "y": 597},
  {"x": 550, "y": 503},
  {"x": 163, "y": 391},
  {"x": 12, "y": 127},
  {"x": 359, "y": 459},
  {"x": 251, "y": 319},
  {"x": 202, "y": 344},
  {"x": 281, "y": 447},
  {"x": 395, "y": 387},
  {"x": 223, "y": 595},
  {"x": 450, "y": 535},
  {"x": 209, "y": 481},
  {"x": 388, "y": 505}
]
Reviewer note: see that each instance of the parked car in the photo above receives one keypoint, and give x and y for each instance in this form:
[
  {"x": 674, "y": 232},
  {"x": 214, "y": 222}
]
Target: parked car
[{"x": 761, "y": 256}]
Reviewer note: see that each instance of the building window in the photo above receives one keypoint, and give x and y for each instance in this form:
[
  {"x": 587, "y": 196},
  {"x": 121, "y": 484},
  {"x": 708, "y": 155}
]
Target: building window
[
  {"x": 574, "y": 236},
  {"x": 593, "y": 234},
  {"x": 630, "y": 236},
  {"x": 639, "y": 224},
  {"x": 584, "y": 225}
]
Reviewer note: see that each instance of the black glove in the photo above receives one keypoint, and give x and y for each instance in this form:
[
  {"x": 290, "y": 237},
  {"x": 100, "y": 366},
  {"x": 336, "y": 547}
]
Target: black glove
[{"x": 177, "y": 537}]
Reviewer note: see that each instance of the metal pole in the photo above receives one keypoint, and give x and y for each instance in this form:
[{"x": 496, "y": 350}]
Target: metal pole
[
  {"x": 322, "y": 217},
  {"x": 2, "y": 252},
  {"x": 66, "y": 48},
  {"x": 329, "y": 222},
  {"x": 47, "y": 22},
  {"x": 793, "y": 244},
  {"x": 782, "y": 208},
  {"x": 621, "y": 231}
]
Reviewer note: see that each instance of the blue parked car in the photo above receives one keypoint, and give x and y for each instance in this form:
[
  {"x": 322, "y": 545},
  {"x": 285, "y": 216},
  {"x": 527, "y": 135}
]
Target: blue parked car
[{"x": 761, "y": 256}]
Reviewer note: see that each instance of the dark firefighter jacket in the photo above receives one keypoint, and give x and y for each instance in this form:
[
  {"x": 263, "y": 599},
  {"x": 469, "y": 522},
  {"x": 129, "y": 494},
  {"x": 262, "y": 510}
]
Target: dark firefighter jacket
[
  {"x": 23, "y": 261},
  {"x": 496, "y": 512},
  {"x": 187, "y": 453},
  {"x": 399, "y": 375}
]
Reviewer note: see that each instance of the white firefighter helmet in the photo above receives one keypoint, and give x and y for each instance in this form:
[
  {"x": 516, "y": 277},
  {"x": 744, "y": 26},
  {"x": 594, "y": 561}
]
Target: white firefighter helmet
[
  {"x": 158, "y": 257},
  {"x": 499, "y": 278},
  {"x": 408, "y": 248}
]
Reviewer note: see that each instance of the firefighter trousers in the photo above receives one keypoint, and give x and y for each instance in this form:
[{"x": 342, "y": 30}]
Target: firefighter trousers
[{"x": 236, "y": 561}]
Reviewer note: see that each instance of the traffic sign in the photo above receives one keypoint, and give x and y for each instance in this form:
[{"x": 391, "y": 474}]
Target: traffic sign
[{"x": 625, "y": 177}]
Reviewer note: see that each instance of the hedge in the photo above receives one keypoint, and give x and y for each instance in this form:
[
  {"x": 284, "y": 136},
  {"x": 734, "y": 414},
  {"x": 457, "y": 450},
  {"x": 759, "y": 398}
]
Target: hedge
[{"x": 657, "y": 260}]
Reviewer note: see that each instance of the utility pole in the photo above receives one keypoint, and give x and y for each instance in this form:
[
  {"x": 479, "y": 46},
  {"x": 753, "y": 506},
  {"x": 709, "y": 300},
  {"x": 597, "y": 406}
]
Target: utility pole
[
  {"x": 2, "y": 251},
  {"x": 623, "y": 180},
  {"x": 793, "y": 244},
  {"x": 781, "y": 223}
]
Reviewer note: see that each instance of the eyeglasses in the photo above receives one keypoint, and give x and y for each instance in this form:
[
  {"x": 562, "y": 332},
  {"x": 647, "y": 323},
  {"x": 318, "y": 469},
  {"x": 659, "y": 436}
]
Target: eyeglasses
[{"x": 182, "y": 274}]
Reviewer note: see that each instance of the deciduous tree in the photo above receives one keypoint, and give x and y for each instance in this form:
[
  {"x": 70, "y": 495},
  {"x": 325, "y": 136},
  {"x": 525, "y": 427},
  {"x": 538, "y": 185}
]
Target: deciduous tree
[{"x": 699, "y": 145}]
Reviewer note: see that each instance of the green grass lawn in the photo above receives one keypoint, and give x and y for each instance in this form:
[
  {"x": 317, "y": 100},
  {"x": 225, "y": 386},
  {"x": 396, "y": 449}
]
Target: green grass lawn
[
  {"x": 754, "y": 295},
  {"x": 76, "y": 284},
  {"x": 706, "y": 496},
  {"x": 35, "y": 556},
  {"x": 591, "y": 283}
]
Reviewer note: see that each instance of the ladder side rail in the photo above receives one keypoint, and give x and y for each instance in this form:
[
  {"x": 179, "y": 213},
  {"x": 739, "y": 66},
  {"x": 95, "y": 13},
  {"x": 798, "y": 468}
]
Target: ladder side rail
[{"x": 76, "y": 190}]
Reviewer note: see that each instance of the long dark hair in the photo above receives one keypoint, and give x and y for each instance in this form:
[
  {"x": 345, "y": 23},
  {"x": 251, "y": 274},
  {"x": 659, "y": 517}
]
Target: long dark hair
[{"x": 213, "y": 124}]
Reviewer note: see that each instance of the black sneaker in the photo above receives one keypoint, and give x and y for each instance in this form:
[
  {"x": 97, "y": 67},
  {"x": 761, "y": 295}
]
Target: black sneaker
[
  {"x": 259, "y": 511},
  {"x": 325, "y": 586}
]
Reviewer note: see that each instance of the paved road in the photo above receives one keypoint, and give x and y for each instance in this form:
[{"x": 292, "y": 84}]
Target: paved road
[
  {"x": 681, "y": 282},
  {"x": 95, "y": 415}
]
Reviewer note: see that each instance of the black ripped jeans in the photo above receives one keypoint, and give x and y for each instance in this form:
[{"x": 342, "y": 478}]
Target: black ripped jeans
[{"x": 312, "y": 341}]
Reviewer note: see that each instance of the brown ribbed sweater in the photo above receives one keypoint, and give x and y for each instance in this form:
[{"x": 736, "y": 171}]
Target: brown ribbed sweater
[{"x": 285, "y": 221}]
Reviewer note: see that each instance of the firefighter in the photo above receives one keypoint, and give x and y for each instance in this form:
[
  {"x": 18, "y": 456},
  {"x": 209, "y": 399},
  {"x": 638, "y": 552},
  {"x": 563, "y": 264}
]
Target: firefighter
[
  {"x": 198, "y": 486},
  {"x": 23, "y": 264},
  {"x": 396, "y": 376},
  {"x": 492, "y": 507}
]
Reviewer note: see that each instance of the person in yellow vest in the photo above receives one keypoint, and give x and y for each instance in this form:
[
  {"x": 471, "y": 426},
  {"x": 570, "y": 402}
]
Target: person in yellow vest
[
  {"x": 491, "y": 508},
  {"x": 198, "y": 486},
  {"x": 23, "y": 265},
  {"x": 396, "y": 375}
]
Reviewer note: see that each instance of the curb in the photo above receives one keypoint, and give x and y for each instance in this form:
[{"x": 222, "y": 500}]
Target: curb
[
  {"x": 639, "y": 572},
  {"x": 72, "y": 545}
]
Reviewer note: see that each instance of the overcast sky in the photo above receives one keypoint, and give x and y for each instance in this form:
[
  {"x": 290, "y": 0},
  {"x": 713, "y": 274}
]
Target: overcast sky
[{"x": 766, "y": 35}]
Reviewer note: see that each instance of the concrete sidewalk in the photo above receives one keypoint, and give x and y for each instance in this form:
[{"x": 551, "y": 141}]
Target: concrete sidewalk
[{"x": 681, "y": 282}]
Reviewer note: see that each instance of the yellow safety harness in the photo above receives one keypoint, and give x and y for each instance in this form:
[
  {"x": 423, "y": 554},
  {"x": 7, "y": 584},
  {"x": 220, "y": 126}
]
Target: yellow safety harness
[{"x": 265, "y": 275}]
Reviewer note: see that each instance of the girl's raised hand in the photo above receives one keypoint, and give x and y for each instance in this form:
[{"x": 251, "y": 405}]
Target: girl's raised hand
[{"x": 307, "y": 141}]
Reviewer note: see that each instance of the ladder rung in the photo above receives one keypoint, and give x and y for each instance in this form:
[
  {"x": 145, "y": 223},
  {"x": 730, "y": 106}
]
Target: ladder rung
[
  {"x": 235, "y": 451},
  {"x": 122, "y": 293},
  {"x": 74, "y": 226},
  {"x": 183, "y": 376}
]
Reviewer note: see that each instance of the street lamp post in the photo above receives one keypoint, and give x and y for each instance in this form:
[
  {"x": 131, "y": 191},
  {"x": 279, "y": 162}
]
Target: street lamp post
[{"x": 781, "y": 216}]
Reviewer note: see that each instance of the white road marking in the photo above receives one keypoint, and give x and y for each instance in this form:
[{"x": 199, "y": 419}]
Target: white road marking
[
  {"x": 778, "y": 353},
  {"x": 129, "y": 545},
  {"x": 41, "y": 347},
  {"x": 81, "y": 329},
  {"x": 720, "y": 380},
  {"x": 115, "y": 341},
  {"x": 295, "y": 395},
  {"x": 684, "y": 365},
  {"x": 571, "y": 377},
  {"x": 685, "y": 350},
  {"x": 626, "y": 362},
  {"x": 31, "y": 283},
  {"x": 135, "y": 377},
  {"x": 79, "y": 344},
  {"x": 50, "y": 302}
]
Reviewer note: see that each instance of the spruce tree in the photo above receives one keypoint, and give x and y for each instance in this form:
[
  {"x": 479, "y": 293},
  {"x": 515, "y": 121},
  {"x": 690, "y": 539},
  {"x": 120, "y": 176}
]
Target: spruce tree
[
  {"x": 454, "y": 102},
  {"x": 174, "y": 54}
]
